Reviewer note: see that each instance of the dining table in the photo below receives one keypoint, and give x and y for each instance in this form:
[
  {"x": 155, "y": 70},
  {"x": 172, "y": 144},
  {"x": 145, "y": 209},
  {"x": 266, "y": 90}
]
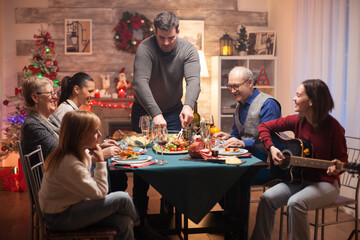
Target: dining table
[{"x": 194, "y": 186}]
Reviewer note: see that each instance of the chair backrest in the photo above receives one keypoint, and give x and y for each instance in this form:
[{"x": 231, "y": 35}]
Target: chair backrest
[
  {"x": 34, "y": 176},
  {"x": 353, "y": 150},
  {"x": 350, "y": 184},
  {"x": 22, "y": 160}
]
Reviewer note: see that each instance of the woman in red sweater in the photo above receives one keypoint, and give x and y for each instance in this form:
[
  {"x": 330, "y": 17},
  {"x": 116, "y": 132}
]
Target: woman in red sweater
[{"x": 313, "y": 102}]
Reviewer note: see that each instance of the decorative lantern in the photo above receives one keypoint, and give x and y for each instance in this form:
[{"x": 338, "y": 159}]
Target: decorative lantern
[{"x": 226, "y": 45}]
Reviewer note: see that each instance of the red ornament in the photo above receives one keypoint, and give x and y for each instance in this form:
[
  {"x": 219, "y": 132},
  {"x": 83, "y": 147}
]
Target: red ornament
[
  {"x": 18, "y": 91},
  {"x": 3, "y": 148},
  {"x": 56, "y": 63},
  {"x": 49, "y": 62},
  {"x": 7, "y": 129},
  {"x": 22, "y": 112},
  {"x": 6, "y": 102}
]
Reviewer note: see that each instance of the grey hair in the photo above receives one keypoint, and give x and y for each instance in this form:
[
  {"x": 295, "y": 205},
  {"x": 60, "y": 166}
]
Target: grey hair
[
  {"x": 33, "y": 85},
  {"x": 244, "y": 73}
]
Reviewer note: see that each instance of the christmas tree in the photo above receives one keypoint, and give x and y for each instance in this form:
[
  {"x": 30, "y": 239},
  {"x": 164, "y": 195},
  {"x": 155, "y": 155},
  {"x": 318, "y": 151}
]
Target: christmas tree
[
  {"x": 43, "y": 64},
  {"x": 242, "y": 40},
  {"x": 13, "y": 122}
]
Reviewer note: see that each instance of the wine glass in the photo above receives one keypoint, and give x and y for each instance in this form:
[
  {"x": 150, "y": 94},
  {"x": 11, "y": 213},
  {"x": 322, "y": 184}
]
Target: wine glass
[
  {"x": 209, "y": 120},
  {"x": 144, "y": 124},
  {"x": 160, "y": 137}
]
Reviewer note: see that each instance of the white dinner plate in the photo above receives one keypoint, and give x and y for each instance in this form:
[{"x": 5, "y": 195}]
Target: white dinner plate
[
  {"x": 240, "y": 151},
  {"x": 169, "y": 152},
  {"x": 141, "y": 159}
]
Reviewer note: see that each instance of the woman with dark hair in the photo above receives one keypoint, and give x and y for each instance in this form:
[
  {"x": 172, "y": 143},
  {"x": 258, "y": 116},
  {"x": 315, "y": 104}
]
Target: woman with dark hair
[
  {"x": 75, "y": 91},
  {"x": 313, "y": 102}
]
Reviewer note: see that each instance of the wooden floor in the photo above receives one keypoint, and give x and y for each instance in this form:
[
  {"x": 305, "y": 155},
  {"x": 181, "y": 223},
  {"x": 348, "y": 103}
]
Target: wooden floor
[{"x": 14, "y": 218}]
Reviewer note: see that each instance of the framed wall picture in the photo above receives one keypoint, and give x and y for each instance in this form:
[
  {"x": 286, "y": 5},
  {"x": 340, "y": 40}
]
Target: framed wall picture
[
  {"x": 78, "y": 36},
  {"x": 192, "y": 31},
  {"x": 261, "y": 43}
]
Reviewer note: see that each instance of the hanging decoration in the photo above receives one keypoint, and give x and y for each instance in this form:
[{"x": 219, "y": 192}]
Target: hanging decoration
[
  {"x": 131, "y": 30},
  {"x": 124, "y": 105}
]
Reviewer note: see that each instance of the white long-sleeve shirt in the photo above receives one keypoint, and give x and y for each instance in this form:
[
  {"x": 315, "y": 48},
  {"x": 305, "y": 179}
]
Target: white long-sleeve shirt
[{"x": 72, "y": 183}]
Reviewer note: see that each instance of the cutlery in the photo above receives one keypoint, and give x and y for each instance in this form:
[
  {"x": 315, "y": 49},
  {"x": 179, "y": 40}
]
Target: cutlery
[{"x": 180, "y": 133}]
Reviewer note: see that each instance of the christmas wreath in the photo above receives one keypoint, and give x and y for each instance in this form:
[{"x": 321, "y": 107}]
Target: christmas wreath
[{"x": 131, "y": 30}]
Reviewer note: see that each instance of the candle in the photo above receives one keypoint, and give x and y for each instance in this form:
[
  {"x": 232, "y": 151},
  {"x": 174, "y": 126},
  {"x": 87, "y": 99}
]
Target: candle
[
  {"x": 121, "y": 93},
  {"x": 97, "y": 93},
  {"x": 226, "y": 50}
]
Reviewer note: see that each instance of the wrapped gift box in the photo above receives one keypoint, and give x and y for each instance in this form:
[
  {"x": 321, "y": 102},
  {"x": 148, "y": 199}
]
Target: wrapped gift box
[{"x": 9, "y": 179}]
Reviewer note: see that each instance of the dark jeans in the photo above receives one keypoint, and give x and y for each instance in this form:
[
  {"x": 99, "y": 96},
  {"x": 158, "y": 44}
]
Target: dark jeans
[
  {"x": 118, "y": 181},
  {"x": 140, "y": 186}
]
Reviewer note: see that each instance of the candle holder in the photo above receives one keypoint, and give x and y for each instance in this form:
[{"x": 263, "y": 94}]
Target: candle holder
[{"x": 226, "y": 45}]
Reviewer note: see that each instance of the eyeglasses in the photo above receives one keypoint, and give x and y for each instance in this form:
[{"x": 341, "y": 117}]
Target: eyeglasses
[
  {"x": 52, "y": 93},
  {"x": 236, "y": 86}
]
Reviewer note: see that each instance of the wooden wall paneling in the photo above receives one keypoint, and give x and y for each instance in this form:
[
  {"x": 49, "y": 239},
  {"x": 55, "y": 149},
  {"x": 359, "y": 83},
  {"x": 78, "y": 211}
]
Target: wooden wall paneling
[
  {"x": 160, "y": 4},
  {"x": 57, "y": 15},
  {"x": 99, "y": 31},
  {"x": 171, "y": 5},
  {"x": 23, "y": 47},
  {"x": 81, "y": 3}
]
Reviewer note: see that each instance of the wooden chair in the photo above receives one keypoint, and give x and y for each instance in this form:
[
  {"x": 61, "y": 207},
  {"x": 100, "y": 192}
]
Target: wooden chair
[
  {"x": 33, "y": 220},
  {"x": 348, "y": 181},
  {"x": 33, "y": 176}
]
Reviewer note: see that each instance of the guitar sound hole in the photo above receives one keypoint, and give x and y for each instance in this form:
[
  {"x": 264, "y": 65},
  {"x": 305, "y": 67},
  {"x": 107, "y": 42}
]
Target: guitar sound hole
[{"x": 287, "y": 154}]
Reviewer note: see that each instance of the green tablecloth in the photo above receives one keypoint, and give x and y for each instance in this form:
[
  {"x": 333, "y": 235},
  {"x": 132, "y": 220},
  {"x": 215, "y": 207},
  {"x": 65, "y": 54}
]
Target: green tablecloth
[{"x": 192, "y": 187}]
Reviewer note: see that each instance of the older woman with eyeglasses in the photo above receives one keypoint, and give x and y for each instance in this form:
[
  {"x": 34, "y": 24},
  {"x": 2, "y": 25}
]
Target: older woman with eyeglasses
[{"x": 41, "y": 127}]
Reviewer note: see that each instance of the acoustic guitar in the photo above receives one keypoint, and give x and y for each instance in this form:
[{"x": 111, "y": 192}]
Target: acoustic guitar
[{"x": 298, "y": 154}]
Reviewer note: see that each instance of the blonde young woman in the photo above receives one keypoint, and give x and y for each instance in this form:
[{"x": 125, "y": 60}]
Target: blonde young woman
[{"x": 70, "y": 198}]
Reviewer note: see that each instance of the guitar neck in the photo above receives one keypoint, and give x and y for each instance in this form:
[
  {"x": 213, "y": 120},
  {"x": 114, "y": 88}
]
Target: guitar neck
[{"x": 313, "y": 163}]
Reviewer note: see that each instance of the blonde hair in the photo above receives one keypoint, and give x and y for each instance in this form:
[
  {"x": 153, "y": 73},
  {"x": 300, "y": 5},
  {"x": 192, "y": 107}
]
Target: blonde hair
[
  {"x": 74, "y": 126},
  {"x": 34, "y": 85}
]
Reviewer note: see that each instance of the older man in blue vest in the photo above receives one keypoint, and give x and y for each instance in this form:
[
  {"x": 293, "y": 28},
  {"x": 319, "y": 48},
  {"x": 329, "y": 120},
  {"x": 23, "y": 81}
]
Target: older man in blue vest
[{"x": 253, "y": 107}]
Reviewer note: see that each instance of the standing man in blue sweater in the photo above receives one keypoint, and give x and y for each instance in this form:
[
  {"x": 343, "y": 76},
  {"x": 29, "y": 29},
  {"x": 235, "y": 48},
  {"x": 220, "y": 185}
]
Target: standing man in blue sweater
[{"x": 161, "y": 63}]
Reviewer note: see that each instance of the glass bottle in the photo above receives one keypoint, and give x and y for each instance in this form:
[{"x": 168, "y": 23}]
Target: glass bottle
[{"x": 196, "y": 121}]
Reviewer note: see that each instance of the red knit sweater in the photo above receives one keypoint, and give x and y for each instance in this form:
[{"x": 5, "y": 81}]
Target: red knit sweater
[{"x": 328, "y": 142}]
